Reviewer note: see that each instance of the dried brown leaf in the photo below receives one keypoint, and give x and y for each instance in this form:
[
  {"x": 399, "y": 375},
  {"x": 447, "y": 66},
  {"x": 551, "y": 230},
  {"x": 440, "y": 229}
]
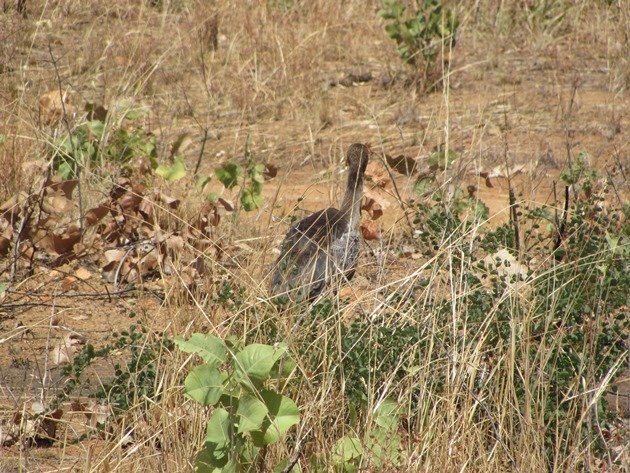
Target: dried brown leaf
[
  {"x": 271, "y": 171},
  {"x": 370, "y": 230},
  {"x": 66, "y": 186},
  {"x": 83, "y": 274},
  {"x": 92, "y": 216},
  {"x": 53, "y": 105},
  {"x": 11, "y": 208},
  {"x": 68, "y": 282},
  {"x": 63, "y": 240},
  {"x": 377, "y": 174},
  {"x": 97, "y": 413},
  {"x": 6, "y": 236},
  {"x": 402, "y": 164},
  {"x": 65, "y": 349},
  {"x": 56, "y": 203},
  {"x": 374, "y": 209},
  {"x": 227, "y": 205},
  {"x": 486, "y": 176},
  {"x": 170, "y": 202}
]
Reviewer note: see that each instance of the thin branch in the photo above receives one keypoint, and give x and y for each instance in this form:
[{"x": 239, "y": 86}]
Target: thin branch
[
  {"x": 514, "y": 218},
  {"x": 66, "y": 122},
  {"x": 295, "y": 457},
  {"x": 563, "y": 223}
]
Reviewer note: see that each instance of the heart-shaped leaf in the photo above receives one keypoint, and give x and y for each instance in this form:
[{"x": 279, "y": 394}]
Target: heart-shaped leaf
[
  {"x": 209, "y": 347},
  {"x": 204, "y": 384},
  {"x": 251, "y": 412}
]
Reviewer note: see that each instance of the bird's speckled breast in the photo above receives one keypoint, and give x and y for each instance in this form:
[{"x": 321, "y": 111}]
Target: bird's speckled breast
[{"x": 345, "y": 250}]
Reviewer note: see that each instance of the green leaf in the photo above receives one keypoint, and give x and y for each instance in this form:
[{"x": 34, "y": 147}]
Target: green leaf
[
  {"x": 347, "y": 449},
  {"x": 202, "y": 181},
  {"x": 255, "y": 362},
  {"x": 441, "y": 159},
  {"x": 228, "y": 174},
  {"x": 280, "y": 467},
  {"x": 386, "y": 415},
  {"x": 212, "y": 197},
  {"x": 209, "y": 347},
  {"x": 257, "y": 173},
  {"x": 283, "y": 414},
  {"x": 421, "y": 187},
  {"x": 3, "y": 287},
  {"x": 96, "y": 128},
  {"x": 66, "y": 170},
  {"x": 204, "y": 384},
  {"x": 251, "y": 199},
  {"x": 3, "y": 139},
  {"x": 174, "y": 172},
  {"x": 211, "y": 459},
  {"x": 218, "y": 431},
  {"x": 134, "y": 113},
  {"x": 251, "y": 412}
]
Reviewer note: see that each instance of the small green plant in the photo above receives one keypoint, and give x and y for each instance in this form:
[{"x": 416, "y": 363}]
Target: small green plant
[
  {"x": 101, "y": 141},
  {"x": 134, "y": 381},
  {"x": 249, "y": 178},
  {"x": 247, "y": 415},
  {"x": 546, "y": 15},
  {"x": 421, "y": 35},
  {"x": 378, "y": 448}
]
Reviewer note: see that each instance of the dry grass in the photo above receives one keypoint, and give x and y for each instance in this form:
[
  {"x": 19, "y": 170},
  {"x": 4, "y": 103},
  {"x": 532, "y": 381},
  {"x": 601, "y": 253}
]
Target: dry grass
[{"x": 522, "y": 87}]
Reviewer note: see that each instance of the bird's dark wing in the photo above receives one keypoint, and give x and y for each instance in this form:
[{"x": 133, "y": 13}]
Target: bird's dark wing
[{"x": 304, "y": 264}]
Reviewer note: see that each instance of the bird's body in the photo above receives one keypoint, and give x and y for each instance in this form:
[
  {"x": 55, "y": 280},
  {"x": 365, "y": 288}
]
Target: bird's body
[{"x": 323, "y": 248}]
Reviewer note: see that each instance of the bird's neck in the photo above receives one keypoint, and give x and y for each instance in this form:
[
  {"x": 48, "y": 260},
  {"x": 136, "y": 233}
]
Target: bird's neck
[{"x": 351, "y": 205}]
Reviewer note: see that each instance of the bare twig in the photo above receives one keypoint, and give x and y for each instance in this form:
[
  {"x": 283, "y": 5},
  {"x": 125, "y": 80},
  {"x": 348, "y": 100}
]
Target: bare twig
[
  {"x": 203, "y": 147},
  {"x": 28, "y": 210},
  {"x": 563, "y": 222},
  {"x": 295, "y": 457},
  {"x": 512, "y": 198},
  {"x": 66, "y": 122},
  {"x": 514, "y": 218}
]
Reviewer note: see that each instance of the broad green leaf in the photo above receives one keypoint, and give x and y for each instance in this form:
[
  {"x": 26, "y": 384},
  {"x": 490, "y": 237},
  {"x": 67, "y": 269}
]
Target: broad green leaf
[
  {"x": 257, "y": 173},
  {"x": 204, "y": 384},
  {"x": 280, "y": 467},
  {"x": 218, "y": 431},
  {"x": 173, "y": 172},
  {"x": 228, "y": 174},
  {"x": 3, "y": 287},
  {"x": 347, "y": 449},
  {"x": 3, "y": 139},
  {"x": 66, "y": 170},
  {"x": 202, "y": 181},
  {"x": 209, "y": 347},
  {"x": 251, "y": 199},
  {"x": 421, "y": 186},
  {"x": 283, "y": 414},
  {"x": 96, "y": 128},
  {"x": 211, "y": 459},
  {"x": 133, "y": 113},
  {"x": 283, "y": 368},
  {"x": 386, "y": 415},
  {"x": 441, "y": 159},
  {"x": 255, "y": 362},
  {"x": 251, "y": 413}
]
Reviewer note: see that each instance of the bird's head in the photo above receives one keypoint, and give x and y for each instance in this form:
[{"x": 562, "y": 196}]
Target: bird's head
[{"x": 357, "y": 157}]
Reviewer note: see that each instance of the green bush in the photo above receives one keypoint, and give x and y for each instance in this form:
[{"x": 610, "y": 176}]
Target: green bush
[
  {"x": 421, "y": 35},
  {"x": 247, "y": 415}
]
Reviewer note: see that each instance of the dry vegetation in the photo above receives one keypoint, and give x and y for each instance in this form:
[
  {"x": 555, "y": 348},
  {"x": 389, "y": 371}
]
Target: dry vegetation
[{"x": 531, "y": 88}]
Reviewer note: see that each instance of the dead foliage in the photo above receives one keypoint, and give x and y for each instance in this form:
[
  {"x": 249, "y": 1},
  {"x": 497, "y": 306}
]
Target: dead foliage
[{"x": 133, "y": 234}]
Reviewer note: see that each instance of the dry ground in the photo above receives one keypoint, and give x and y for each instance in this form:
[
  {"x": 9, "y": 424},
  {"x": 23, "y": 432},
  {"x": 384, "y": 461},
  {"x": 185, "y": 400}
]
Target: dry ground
[{"x": 522, "y": 91}]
